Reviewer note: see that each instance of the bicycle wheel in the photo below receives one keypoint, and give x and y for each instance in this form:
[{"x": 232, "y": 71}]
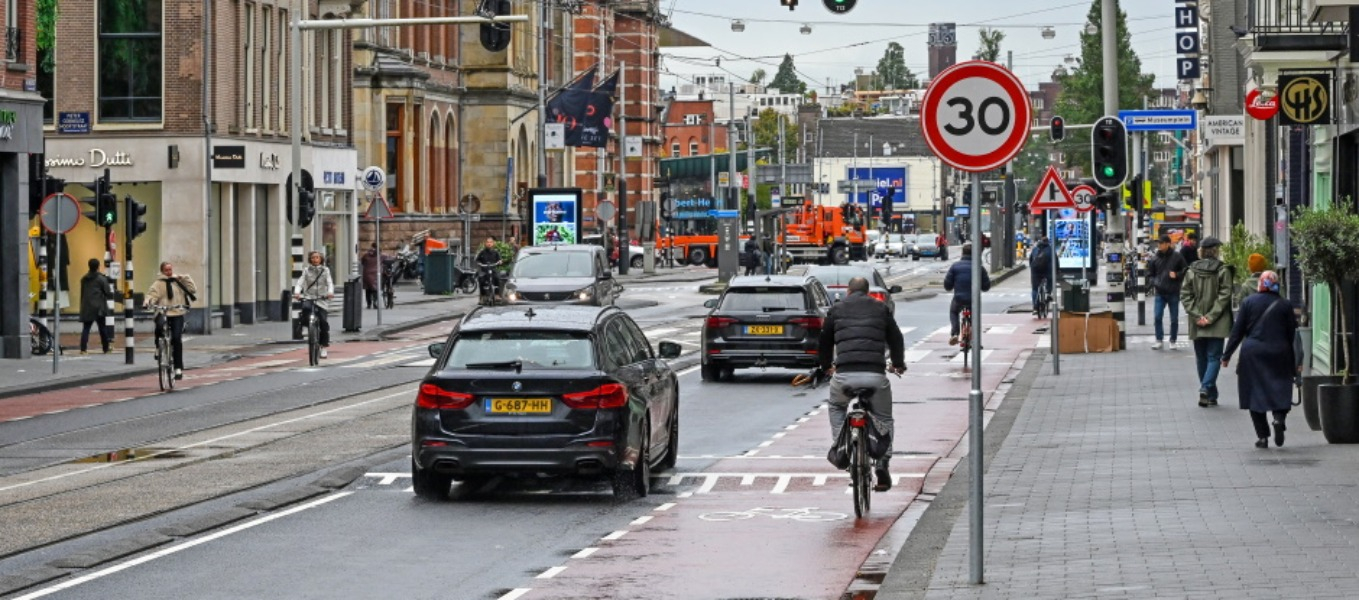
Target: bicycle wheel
[
  {"x": 861, "y": 473},
  {"x": 313, "y": 345},
  {"x": 164, "y": 365}
]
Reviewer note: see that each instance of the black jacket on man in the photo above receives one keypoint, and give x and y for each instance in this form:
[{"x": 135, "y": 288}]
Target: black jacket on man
[
  {"x": 857, "y": 333},
  {"x": 488, "y": 256},
  {"x": 1162, "y": 265},
  {"x": 959, "y": 280}
]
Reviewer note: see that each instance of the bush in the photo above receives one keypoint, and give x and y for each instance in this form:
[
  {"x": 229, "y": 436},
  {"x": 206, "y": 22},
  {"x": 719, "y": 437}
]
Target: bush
[
  {"x": 1243, "y": 244},
  {"x": 1327, "y": 240}
]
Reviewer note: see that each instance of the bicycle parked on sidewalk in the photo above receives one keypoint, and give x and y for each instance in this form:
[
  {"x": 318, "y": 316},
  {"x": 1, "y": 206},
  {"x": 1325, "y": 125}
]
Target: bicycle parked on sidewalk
[
  {"x": 312, "y": 328},
  {"x": 165, "y": 361},
  {"x": 861, "y": 460}
]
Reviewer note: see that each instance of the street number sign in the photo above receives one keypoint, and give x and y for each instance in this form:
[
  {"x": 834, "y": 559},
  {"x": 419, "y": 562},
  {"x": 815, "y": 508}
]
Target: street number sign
[
  {"x": 1084, "y": 197},
  {"x": 976, "y": 116},
  {"x": 373, "y": 178},
  {"x": 59, "y": 212},
  {"x": 1051, "y": 193}
]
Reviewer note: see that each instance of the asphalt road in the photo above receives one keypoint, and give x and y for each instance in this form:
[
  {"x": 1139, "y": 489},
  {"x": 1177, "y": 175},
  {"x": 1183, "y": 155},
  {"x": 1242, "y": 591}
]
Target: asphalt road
[{"x": 267, "y": 440}]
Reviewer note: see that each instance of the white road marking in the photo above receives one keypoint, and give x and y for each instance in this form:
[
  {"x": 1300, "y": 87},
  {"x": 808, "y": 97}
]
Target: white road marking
[
  {"x": 515, "y": 593},
  {"x": 959, "y": 358},
  {"x": 615, "y": 535},
  {"x": 550, "y": 573},
  {"x": 585, "y": 553},
  {"x": 666, "y": 506},
  {"x": 906, "y": 330},
  {"x": 641, "y": 520},
  {"x": 782, "y": 485},
  {"x": 748, "y": 480},
  {"x": 660, "y": 332},
  {"x": 179, "y": 547},
  {"x": 915, "y": 356},
  {"x": 1001, "y": 329}
]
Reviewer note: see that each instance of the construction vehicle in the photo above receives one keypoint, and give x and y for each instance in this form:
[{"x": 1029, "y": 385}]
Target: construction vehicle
[{"x": 808, "y": 233}]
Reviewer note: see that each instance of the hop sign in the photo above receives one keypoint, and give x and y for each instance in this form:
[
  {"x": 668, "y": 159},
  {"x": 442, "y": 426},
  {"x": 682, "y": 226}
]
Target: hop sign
[{"x": 975, "y": 116}]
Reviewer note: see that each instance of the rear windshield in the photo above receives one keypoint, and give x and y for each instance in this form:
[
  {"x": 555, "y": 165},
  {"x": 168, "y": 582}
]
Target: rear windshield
[
  {"x": 763, "y": 299},
  {"x": 839, "y": 276},
  {"x": 535, "y": 349},
  {"x": 555, "y": 264}
]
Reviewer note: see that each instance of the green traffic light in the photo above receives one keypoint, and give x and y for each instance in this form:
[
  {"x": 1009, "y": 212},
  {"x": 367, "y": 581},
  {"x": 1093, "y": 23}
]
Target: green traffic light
[{"x": 1108, "y": 171}]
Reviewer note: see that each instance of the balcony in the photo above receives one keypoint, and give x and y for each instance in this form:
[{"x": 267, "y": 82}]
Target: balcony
[
  {"x": 1284, "y": 26},
  {"x": 14, "y": 45}
]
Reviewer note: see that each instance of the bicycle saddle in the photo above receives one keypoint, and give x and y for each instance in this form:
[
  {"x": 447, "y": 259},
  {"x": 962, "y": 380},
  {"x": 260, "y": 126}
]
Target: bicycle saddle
[{"x": 860, "y": 393}]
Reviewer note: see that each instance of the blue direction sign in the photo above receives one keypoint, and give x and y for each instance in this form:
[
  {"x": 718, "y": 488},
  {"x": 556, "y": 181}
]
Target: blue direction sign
[
  {"x": 724, "y": 214},
  {"x": 1159, "y": 120}
]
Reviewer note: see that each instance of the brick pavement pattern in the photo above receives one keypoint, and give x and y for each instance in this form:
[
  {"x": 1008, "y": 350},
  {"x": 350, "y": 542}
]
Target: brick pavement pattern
[{"x": 1113, "y": 483}]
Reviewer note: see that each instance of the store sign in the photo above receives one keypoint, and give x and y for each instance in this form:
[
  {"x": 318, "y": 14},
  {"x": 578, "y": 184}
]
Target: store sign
[
  {"x": 693, "y": 208},
  {"x": 333, "y": 177},
  {"x": 99, "y": 158},
  {"x": 73, "y": 122},
  {"x": 1259, "y": 108},
  {"x": 1305, "y": 99},
  {"x": 1223, "y": 130},
  {"x": 228, "y": 157}
]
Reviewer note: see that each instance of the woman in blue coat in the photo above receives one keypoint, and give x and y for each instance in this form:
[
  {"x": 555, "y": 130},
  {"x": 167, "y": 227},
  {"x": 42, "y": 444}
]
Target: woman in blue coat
[{"x": 1265, "y": 331}]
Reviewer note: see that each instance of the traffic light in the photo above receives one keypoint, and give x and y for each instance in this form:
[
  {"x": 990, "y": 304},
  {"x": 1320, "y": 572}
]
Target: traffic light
[
  {"x": 136, "y": 212},
  {"x": 887, "y": 205},
  {"x": 791, "y": 4},
  {"x": 1057, "y": 129},
  {"x": 1109, "y": 152},
  {"x": 306, "y": 207},
  {"x": 495, "y": 37},
  {"x": 107, "y": 205}
]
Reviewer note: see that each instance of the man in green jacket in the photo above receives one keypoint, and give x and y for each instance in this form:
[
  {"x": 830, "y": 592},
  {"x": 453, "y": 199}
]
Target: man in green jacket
[{"x": 1207, "y": 296}]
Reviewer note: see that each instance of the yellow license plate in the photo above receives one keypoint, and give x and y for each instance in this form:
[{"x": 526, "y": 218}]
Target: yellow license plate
[
  {"x": 764, "y": 330},
  {"x": 519, "y": 405}
]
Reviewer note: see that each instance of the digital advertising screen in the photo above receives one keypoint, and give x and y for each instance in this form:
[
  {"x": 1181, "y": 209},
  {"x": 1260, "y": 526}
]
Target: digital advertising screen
[
  {"x": 1071, "y": 242},
  {"x": 556, "y": 215}
]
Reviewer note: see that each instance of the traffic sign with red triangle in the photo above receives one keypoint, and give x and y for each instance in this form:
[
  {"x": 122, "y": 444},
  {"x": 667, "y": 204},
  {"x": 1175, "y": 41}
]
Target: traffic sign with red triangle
[
  {"x": 378, "y": 209},
  {"x": 1052, "y": 193}
]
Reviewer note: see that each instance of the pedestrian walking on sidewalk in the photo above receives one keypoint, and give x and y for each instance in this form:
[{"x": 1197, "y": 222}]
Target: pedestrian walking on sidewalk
[
  {"x": 1166, "y": 275},
  {"x": 1207, "y": 295},
  {"x": 95, "y": 293},
  {"x": 1256, "y": 264},
  {"x": 1265, "y": 331},
  {"x": 371, "y": 269}
]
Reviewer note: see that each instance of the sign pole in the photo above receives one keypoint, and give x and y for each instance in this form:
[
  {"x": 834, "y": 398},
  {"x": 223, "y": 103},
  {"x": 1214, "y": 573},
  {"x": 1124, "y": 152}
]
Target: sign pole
[
  {"x": 975, "y": 425},
  {"x": 54, "y": 277},
  {"x": 1057, "y": 309},
  {"x": 382, "y": 269}
]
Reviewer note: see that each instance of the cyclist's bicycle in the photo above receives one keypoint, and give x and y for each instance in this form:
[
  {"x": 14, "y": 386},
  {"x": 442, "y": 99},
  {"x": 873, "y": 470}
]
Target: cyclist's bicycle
[
  {"x": 165, "y": 362},
  {"x": 1043, "y": 304},
  {"x": 965, "y": 334},
  {"x": 856, "y": 418},
  {"x": 312, "y": 328}
]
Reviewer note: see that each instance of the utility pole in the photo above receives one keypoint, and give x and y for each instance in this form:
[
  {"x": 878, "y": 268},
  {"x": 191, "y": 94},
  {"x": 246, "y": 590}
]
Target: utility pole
[
  {"x": 732, "y": 194},
  {"x": 543, "y": 71},
  {"x": 1114, "y": 233},
  {"x": 712, "y": 148},
  {"x": 783, "y": 163},
  {"x": 624, "y": 240}
]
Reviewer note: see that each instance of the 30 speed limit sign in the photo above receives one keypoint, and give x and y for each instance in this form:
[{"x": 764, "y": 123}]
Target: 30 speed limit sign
[
  {"x": 1084, "y": 196},
  {"x": 975, "y": 116}
]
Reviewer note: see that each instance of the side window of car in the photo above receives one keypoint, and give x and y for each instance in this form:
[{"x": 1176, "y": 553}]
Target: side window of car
[
  {"x": 640, "y": 346},
  {"x": 616, "y": 344}
]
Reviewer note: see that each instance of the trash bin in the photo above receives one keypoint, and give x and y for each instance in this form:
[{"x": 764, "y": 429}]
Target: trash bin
[
  {"x": 353, "y": 309},
  {"x": 1075, "y": 296},
  {"x": 439, "y": 278}
]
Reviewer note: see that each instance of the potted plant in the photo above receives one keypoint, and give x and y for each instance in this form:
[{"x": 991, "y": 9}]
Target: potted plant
[{"x": 1327, "y": 240}]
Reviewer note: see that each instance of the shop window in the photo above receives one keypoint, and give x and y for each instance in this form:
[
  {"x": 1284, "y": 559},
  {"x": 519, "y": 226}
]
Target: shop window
[{"x": 130, "y": 60}]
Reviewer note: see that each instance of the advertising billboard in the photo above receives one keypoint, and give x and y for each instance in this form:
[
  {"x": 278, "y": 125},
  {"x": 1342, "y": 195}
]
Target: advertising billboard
[
  {"x": 1071, "y": 242},
  {"x": 886, "y": 177},
  {"x": 556, "y": 215}
]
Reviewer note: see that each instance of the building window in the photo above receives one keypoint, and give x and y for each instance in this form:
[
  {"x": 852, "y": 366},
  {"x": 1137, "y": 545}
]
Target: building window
[
  {"x": 323, "y": 57},
  {"x": 266, "y": 52},
  {"x": 281, "y": 58},
  {"x": 47, "y": 64},
  {"x": 337, "y": 78},
  {"x": 250, "y": 63},
  {"x": 395, "y": 142},
  {"x": 693, "y": 148},
  {"x": 129, "y": 60},
  {"x": 674, "y": 149}
]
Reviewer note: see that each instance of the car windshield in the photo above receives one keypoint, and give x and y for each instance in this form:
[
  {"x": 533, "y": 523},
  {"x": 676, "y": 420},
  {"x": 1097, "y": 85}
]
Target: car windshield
[
  {"x": 925, "y": 239},
  {"x": 831, "y": 276},
  {"x": 763, "y": 299},
  {"x": 533, "y": 349},
  {"x": 554, "y": 264}
]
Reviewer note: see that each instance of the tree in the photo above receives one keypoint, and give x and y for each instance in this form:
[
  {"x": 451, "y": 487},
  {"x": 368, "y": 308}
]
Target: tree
[
  {"x": 786, "y": 80},
  {"x": 766, "y": 128},
  {"x": 892, "y": 73},
  {"x": 990, "y": 44},
  {"x": 1082, "y": 97},
  {"x": 758, "y": 76}
]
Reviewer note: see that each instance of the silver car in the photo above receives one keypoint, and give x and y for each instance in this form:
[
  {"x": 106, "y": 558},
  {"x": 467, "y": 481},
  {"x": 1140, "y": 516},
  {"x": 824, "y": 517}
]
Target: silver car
[
  {"x": 563, "y": 274},
  {"x": 836, "y": 280}
]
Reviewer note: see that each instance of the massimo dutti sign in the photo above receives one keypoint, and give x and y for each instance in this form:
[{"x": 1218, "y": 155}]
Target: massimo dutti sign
[
  {"x": 228, "y": 157},
  {"x": 1305, "y": 99}
]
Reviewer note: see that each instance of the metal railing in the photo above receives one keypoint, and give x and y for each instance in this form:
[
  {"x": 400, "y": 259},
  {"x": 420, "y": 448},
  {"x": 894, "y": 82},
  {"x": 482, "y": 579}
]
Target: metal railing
[
  {"x": 14, "y": 44},
  {"x": 1284, "y": 25}
]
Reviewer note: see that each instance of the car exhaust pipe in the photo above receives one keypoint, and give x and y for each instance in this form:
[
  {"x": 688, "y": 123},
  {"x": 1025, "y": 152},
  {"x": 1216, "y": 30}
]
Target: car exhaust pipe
[
  {"x": 446, "y": 466},
  {"x": 589, "y": 466}
]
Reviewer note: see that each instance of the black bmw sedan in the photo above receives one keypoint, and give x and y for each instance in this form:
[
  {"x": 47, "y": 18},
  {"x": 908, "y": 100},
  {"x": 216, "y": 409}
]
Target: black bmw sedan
[{"x": 560, "y": 390}]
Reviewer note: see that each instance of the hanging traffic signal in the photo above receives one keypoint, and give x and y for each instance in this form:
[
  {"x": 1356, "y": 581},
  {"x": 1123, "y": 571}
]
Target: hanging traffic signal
[
  {"x": 136, "y": 225},
  {"x": 108, "y": 205},
  {"x": 791, "y": 4},
  {"x": 306, "y": 207},
  {"x": 1057, "y": 129},
  {"x": 1109, "y": 152},
  {"x": 495, "y": 37}
]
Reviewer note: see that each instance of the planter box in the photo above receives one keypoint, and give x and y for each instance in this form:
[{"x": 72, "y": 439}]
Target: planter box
[
  {"x": 1338, "y": 405},
  {"x": 1309, "y": 397}
]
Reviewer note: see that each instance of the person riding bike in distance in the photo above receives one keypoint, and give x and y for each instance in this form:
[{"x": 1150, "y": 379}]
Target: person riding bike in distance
[
  {"x": 489, "y": 257},
  {"x": 854, "y": 342},
  {"x": 177, "y": 290},
  {"x": 1040, "y": 268},
  {"x": 316, "y": 283},
  {"x": 959, "y": 281}
]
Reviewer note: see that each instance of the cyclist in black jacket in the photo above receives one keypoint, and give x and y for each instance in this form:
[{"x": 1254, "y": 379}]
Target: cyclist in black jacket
[{"x": 854, "y": 342}]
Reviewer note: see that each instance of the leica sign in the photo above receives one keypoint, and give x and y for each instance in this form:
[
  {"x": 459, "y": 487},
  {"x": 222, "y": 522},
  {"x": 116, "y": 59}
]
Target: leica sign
[{"x": 1259, "y": 108}]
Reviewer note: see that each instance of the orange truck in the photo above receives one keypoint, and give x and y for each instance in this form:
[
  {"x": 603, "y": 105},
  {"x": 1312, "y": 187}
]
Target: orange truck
[{"x": 808, "y": 233}]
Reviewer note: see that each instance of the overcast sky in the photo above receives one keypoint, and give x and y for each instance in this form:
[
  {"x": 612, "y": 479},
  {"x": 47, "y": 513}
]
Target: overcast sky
[{"x": 772, "y": 30}]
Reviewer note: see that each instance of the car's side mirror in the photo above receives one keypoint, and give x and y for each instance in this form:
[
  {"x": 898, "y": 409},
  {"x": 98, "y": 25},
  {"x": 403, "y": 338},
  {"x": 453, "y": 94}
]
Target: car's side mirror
[
  {"x": 436, "y": 349},
  {"x": 606, "y": 275},
  {"x": 896, "y": 289},
  {"x": 710, "y": 303},
  {"x": 669, "y": 350}
]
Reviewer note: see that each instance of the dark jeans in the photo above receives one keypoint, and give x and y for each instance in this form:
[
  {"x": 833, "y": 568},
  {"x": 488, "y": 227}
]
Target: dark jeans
[
  {"x": 105, "y": 334},
  {"x": 176, "y": 338},
  {"x": 955, "y": 309},
  {"x": 1208, "y": 355},
  {"x": 370, "y": 297},
  {"x": 321, "y": 323},
  {"x": 1262, "y": 426},
  {"x": 1173, "y": 300},
  {"x": 880, "y": 405}
]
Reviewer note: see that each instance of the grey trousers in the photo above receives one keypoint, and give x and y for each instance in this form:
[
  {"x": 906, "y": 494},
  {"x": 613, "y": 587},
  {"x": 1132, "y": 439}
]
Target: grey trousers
[{"x": 880, "y": 405}]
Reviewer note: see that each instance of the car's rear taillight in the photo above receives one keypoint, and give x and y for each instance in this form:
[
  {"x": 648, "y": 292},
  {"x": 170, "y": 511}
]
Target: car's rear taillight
[
  {"x": 609, "y": 395},
  {"x": 879, "y": 296},
  {"x": 719, "y": 322},
  {"x": 807, "y": 322},
  {"x": 434, "y": 397}
]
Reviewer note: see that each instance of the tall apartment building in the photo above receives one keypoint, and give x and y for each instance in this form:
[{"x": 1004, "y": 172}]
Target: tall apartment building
[
  {"x": 186, "y": 104},
  {"x": 21, "y": 122}
]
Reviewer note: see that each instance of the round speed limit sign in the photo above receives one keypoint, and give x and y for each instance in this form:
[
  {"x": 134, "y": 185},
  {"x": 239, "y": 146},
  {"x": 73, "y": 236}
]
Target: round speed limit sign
[
  {"x": 1084, "y": 197},
  {"x": 975, "y": 116}
]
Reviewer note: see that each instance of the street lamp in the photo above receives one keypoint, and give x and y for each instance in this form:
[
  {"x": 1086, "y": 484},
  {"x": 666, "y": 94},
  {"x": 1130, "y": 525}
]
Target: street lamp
[
  {"x": 1091, "y": 28},
  {"x": 1049, "y": 32},
  {"x": 738, "y": 25},
  {"x": 806, "y": 29}
]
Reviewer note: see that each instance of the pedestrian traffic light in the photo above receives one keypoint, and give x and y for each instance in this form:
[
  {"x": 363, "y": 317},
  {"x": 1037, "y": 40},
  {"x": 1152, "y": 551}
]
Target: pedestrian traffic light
[
  {"x": 136, "y": 213},
  {"x": 108, "y": 204},
  {"x": 1057, "y": 129},
  {"x": 495, "y": 37},
  {"x": 1109, "y": 152}
]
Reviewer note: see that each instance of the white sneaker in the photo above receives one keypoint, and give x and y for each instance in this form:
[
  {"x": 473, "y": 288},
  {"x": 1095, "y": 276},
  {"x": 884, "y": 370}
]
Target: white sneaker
[
  {"x": 1158, "y": 346},
  {"x": 324, "y": 354}
]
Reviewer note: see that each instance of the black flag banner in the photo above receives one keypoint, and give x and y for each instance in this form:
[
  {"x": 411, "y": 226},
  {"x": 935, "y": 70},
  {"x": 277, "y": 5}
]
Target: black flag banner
[
  {"x": 599, "y": 114},
  {"x": 570, "y": 104}
]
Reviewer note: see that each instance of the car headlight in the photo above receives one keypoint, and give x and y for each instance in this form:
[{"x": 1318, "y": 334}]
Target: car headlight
[{"x": 586, "y": 293}]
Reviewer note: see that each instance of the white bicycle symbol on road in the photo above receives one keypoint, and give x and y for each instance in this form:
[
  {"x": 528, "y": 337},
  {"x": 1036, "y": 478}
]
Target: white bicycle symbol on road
[{"x": 806, "y": 514}]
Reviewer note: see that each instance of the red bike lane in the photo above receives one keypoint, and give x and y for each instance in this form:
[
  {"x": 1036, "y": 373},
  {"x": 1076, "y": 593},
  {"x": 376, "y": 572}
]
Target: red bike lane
[{"x": 778, "y": 521}]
